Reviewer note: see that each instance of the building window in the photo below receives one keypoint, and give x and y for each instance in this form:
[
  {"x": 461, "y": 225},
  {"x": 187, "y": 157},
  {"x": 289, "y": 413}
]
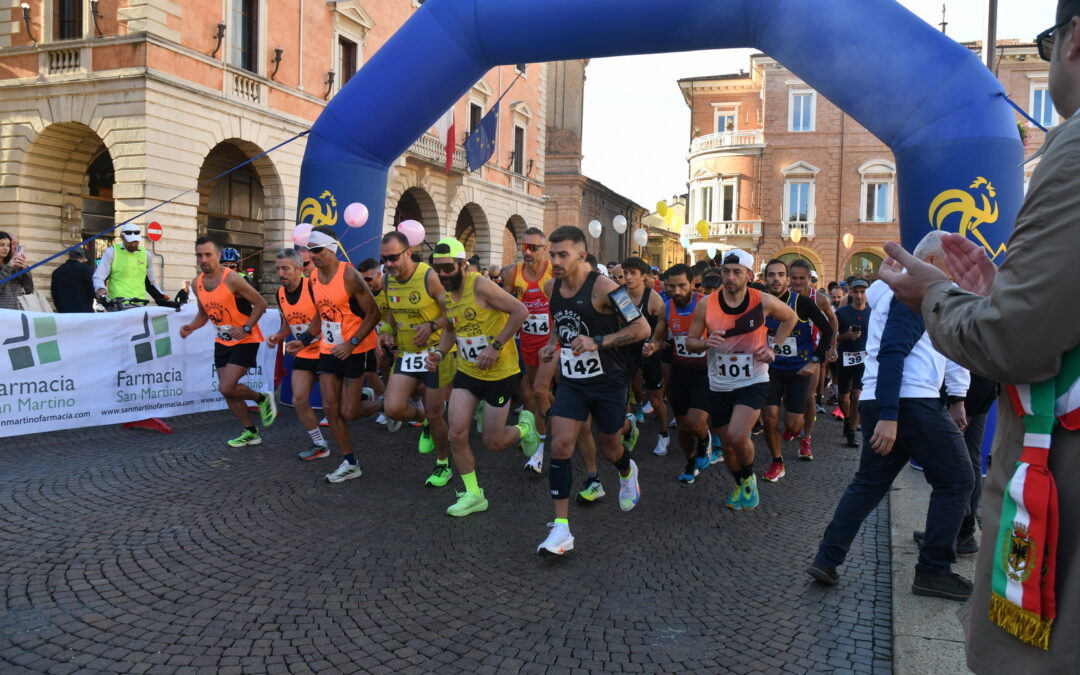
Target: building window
[
  {"x": 476, "y": 113},
  {"x": 519, "y": 150},
  {"x": 799, "y": 201},
  {"x": 347, "y": 52},
  {"x": 1042, "y": 108},
  {"x": 705, "y": 203},
  {"x": 801, "y": 110},
  {"x": 727, "y": 201},
  {"x": 245, "y": 27},
  {"x": 725, "y": 120},
  {"x": 876, "y": 202},
  {"x": 67, "y": 19},
  {"x": 863, "y": 265}
]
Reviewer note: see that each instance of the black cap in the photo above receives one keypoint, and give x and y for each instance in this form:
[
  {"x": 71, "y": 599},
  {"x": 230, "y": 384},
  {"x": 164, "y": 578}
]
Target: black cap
[{"x": 858, "y": 283}]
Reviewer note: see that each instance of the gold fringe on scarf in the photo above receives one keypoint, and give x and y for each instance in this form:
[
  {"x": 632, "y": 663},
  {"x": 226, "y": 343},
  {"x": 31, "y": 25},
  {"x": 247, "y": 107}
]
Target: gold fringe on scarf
[{"x": 1025, "y": 625}]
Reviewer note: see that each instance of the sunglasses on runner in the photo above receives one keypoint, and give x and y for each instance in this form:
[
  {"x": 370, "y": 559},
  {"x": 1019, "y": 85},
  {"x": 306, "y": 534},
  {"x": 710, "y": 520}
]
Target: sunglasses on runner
[
  {"x": 532, "y": 248},
  {"x": 135, "y": 232},
  {"x": 368, "y": 280},
  {"x": 1044, "y": 41},
  {"x": 390, "y": 258},
  {"x": 316, "y": 249},
  {"x": 445, "y": 268}
]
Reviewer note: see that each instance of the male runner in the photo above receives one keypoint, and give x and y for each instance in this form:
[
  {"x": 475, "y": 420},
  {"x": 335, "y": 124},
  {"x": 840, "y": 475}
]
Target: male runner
[
  {"x": 296, "y": 304},
  {"x": 731, "y": 325},
  {"x": 416, "y": 300},
  {"x": 347, "y": 315},
  {"x": 595, "y": 364},
  {"x": 838, "y": 295},
  {"x": 806, "y": 285},
  {"x": 481, "y": 320},
  {"x": 616, "y": 273},
  {"x": 854, "y": 321},
  {"x": 795, "y": 367},
  {"x": 689, "y": 391},
  {"x": 525, "y": 281},
  {"x": 234, "y": 307},
  {"x": 650, "y": 383}
]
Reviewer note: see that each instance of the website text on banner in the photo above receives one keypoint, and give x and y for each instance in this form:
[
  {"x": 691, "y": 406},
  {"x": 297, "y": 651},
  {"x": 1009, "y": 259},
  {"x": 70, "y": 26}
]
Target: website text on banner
[{"x": 63, "y": 371}]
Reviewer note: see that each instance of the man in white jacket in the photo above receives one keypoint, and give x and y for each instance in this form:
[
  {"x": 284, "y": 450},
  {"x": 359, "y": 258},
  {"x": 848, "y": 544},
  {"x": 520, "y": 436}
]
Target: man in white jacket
[{"x": 905, "y": 418}]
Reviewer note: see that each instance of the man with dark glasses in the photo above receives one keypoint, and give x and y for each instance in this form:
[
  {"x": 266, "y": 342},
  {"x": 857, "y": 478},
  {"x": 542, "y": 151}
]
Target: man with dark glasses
[
  {"x": 481, "y": 322},
  {"x": 525, "y": 281},
  {"x": 416, "y": 300},
  {"x": 126, "y": 269}
]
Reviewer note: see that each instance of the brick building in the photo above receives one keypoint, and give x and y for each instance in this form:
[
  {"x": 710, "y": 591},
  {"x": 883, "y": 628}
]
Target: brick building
[
  {"x": 769, "y": 155},
  {"x": 110, "y": 108}
]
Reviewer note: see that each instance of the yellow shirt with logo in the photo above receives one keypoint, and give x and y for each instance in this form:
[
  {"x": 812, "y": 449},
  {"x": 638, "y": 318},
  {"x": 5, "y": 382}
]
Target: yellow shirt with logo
[
  {"x": 412, "y": 307},
  {"x": 475, "y": 328}
]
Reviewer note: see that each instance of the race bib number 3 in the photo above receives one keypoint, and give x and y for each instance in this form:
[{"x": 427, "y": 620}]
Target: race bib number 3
[
  {"x": 470, "y": 348},
  {"x": 586, "y": 364},
  {"x": 734, "y": 368},
  {"x": 223, "y": 331},
  {"x": 331, "y": 332},
  {"x": 536, "y": 324},
  {"x": 414, "y": 362},
  {"x": 853, "y": 359},
  {"x": 682, "y": 352},
  {"x": 788, "y": 347}
]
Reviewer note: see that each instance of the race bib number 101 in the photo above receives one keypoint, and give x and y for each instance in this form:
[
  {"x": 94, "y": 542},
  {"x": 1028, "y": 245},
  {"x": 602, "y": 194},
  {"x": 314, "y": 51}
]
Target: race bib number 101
[{"x": 734, "y": 368}]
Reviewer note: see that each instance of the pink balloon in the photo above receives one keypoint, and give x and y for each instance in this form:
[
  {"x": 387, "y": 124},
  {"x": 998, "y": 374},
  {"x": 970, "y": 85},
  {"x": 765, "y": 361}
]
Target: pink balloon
[
  {"x": 413, "y": 231},
  {"x": 301, "y": 233},
  {"x": 356, "y": 214}
]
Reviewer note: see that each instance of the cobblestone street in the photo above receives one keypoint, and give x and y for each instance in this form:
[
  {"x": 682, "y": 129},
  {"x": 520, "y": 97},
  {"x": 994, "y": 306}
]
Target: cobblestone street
[{"x": 130, "y": 551}]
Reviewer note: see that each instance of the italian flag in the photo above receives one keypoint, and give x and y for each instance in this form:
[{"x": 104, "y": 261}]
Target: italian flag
[
  {"x": 446, "y": 128},
  {"x": 395, "y": 298}
]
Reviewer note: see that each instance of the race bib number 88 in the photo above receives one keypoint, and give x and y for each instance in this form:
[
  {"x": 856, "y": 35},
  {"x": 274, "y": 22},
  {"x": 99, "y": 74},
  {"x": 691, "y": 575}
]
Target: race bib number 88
[{"x": 585, "y": 364}]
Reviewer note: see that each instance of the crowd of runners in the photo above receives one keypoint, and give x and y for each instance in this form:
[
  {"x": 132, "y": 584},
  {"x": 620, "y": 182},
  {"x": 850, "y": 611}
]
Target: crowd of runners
[{"x": 581, "y": 352}]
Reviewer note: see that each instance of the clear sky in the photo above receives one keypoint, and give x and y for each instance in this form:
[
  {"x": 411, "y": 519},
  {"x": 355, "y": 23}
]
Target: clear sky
[{"x": 636, "y": 124}]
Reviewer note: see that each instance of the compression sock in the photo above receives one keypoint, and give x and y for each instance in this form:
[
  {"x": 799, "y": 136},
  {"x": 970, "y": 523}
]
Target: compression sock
[
  {"x": 623, "y": 464},
  {"x": 560, "y": 474},
  {"x": 351, "y": 459},
  {"x": 471, "y": 485}
]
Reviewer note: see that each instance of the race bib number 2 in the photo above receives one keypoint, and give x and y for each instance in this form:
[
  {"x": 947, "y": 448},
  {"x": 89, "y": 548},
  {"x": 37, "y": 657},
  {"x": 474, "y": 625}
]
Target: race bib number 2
[
  {"x": 536, "y": 324},
  {"x": 683, "y": 352},
  {"x": 414, "y": 362},
  {"x": 585, "y": 364}
]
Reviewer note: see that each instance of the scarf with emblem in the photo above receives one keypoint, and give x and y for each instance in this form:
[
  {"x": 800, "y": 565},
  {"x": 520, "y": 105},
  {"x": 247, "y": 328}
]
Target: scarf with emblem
[{"x": 1025, "y": 555}]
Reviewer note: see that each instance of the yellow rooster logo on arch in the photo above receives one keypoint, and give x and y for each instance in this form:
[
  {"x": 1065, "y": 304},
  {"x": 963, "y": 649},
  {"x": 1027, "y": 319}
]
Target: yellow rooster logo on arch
[
  {"x": 321, "y": 210},
  {"x": 972, "y": 214}
]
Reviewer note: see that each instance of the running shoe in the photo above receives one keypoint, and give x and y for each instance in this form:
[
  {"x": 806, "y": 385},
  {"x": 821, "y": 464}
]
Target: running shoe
[
  {"x": 788, "y": 435},
  {"x": 594, "y": 491},
  {"x": 478, "y": 416},
  {"x": 344, "y": 472},
  {"x": 427, "y": 443},
  {"x": 838, "y": 413},
  {"x": 440, "y": 476},
  {"x": 748, "y": 495},
  {"x": 758, "y": 428},
  {"x": 715, "y": 456},
  {"x": 672, "y": 423},
  {"x": 381, "y": 419},
  {"x": 629, "y": 489},
  {"x": 316, "y": 452},
  {"x": 915, "y": 465},
  {"x": 775, "y": 472},
  {"x": 558, "y": 541},
  {"x": 536, "y": 462},
  {"x": 734, "y": 501},
  {"x": 702, "y": 461},
  {"x": 805, "y": 453},
  {"x": 661, "y": 446},
  {"x": 367, "y": 394},
  {"x": 467, "y": 503},
  {"x": 324, "y": 422},
  {"x": 519, "y": 408},
  {"x": 246, "y": 438},
  {"x": 647, "y": 408},
  {"x": 852, "y": 441},
  {"x": 640, "y": 416},
  {"x": 631, "y": 441},
  {"x": 268, "y": 408},
  {"x": 820, "y": 409},
  {"x": 393, "y": 425},
  {"x": 690, "y": 472},
  {"x": 530, "y": 440}
]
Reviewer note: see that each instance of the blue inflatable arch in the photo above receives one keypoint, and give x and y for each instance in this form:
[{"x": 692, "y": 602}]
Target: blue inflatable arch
[{"x": 957, "y": 148}]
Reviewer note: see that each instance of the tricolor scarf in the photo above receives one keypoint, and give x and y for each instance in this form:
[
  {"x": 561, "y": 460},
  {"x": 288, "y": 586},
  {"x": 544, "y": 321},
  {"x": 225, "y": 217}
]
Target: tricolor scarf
[{"x": 1022, "y": 582}]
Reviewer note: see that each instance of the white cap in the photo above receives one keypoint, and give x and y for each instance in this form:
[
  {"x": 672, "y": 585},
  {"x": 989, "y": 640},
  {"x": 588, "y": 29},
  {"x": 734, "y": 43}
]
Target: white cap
[
  {"x": 740, "y": 256},
  {"x": 131, "y": 233},
  {"x": 602, "y": 269},
  {"x": 813, "y": 275}
]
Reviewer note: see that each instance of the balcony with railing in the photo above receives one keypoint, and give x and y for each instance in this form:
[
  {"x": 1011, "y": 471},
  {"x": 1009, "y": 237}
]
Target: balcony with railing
[
  {"x": 430, "y": 149},
  {"x": 807, "y": 228},
  {"x": 245, "y": 87},
  {"x": 733, "y": 233},
  {"x": 724, "y": 140},
  {"x": 64, "y": 59}
]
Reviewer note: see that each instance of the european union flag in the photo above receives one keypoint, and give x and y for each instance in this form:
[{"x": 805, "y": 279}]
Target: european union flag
[{"x": 480, "y": 145}]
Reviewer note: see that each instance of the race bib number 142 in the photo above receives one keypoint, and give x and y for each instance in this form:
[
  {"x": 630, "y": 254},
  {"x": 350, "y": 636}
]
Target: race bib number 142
[{"x": 585, "y": 364}]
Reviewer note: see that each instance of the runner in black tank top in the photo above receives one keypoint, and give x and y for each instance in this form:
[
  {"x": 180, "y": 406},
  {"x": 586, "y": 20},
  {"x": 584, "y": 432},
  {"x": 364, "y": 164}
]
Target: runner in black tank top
[
  {"x": 649, "y": 385},
  {"x": 593, "y": 347}
]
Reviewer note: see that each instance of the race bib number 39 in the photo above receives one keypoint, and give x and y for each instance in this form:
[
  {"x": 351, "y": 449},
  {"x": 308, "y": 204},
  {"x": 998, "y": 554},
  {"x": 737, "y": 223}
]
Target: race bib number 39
[
  {"x": 734, "y": 368},
  {"x": 585, "y": 364},
  {"x": 470, "y": 348},
  {"x": 536, "y": 324},
  {"x": 788, "y": 347},
  {"x": 414, "y": 362},
  {"x": 681, "y": 350},
  {"x": 853, "y": 359}
]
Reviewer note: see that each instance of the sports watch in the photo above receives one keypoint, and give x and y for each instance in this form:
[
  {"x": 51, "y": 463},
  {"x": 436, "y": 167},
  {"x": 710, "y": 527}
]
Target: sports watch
[{"x": 354, "y": 341}]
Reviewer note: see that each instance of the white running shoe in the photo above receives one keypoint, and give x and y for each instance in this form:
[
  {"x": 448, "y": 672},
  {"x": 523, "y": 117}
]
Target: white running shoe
[
  {"x": 672, "y": 423},
  {"x": 558, "y": 541},
  {"x": 536, "y": 462},
  {"x": 381, "y": 419},
  {"x": 344, "y": 472},
  {"x": 392, "y": 424},
  {"x": 647, "y": 408},
  {"x": 661, "y": 446},
  {"x": 629, "y": 490}
]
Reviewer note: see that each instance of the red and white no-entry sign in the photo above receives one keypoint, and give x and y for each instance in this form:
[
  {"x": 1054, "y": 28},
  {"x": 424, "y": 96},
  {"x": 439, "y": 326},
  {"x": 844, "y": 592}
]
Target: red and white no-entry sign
[{"x": 153, "y": 231}]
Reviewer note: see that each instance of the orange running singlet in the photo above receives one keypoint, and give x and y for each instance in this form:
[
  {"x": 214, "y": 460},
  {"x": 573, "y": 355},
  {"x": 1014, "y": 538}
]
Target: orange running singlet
[
  {"x": 298, "y": 315},
  {"x": 341, "y": 317},
  {"x": 226, "y": 310}
]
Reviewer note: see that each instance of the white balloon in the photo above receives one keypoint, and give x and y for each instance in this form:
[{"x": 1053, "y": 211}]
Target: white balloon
[
  {"x": 595, "y": 228},
  {"x": 711, "y": 250},
  {"x": 641, "y": 237},
  {"x": 619, "y": 223}
]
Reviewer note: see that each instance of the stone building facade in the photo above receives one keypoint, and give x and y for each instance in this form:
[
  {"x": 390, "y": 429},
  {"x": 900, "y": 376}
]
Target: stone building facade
[
  {"x": 769, "y": 156},
  {"x": 148, "y": 102}
]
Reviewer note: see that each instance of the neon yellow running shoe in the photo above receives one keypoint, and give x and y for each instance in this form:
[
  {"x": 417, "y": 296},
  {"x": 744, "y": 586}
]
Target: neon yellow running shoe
[
  {"x": 735, "y": 501},
  {"x": 630, "y": 440},
  {"x": 467, "y": 503},
  {"x": 530, "y": 440},
  {"x": 246, "y": 438},
  {"x": 268, "y": 408},
  {"x": 427, "y": 443},
  {"x": 440, "y": 476}
]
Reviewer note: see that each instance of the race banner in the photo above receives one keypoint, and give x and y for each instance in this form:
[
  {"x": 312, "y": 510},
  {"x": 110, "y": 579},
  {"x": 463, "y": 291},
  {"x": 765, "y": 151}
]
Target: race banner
[{"x": 63, "y": 371}]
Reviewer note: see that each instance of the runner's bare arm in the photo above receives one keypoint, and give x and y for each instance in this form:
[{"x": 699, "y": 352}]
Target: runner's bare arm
[
  {"x": 242, "y": 289},
  {"x": 656, "y": 308},
  {"x": 696, "y": 340},
  {"x": 447, "y": 339},
  {"x": 825, "y": 305},
  {"x": 200, "y": 318},
  {"x": 507, "y": 277},
  {"x": 781, "y": 311},
  {"x": 492, "y": 296},
  {"x": 361, "y": 293},
  {"x": 635, "y": 331},
  {"x": 275, "y": 339}
]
